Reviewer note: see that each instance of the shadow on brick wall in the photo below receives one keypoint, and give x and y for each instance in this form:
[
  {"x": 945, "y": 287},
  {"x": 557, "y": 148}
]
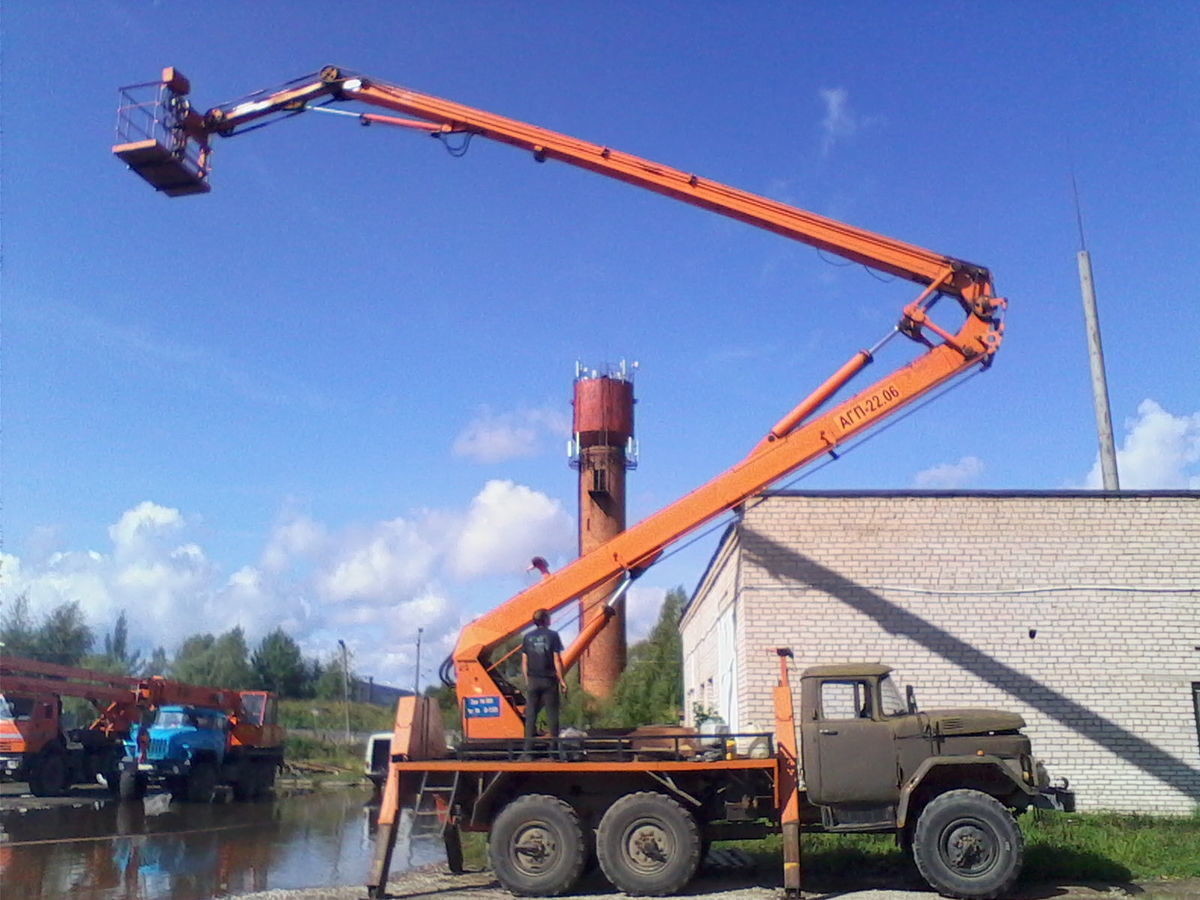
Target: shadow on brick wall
[{"x": 786, "y": 564}]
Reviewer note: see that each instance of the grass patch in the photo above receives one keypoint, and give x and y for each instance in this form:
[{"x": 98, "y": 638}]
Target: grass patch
[
  {"x": 474, "y": 845},
  {"x": 1109, "y": 847},
  {"x": 330, "y": 715},
  {"x": 1059, "y": 847},
  {"x": 300, "y": 748},
  {"x": 868, "y": 856}
]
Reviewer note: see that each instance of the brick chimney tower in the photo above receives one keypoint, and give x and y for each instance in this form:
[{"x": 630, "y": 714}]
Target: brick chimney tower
[{"x": 603, "y": 449}]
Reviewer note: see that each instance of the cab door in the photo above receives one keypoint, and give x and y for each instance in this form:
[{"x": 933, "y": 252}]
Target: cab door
[{"x": 849, "y": 755}]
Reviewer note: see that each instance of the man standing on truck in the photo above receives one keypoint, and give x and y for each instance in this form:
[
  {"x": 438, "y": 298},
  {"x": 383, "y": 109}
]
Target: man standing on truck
[{"x": 542, "y": 665}]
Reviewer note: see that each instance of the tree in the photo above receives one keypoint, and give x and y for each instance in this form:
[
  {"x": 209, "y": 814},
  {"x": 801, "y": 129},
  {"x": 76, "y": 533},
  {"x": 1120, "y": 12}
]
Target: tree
[
  {"x": 650, "y": 689},
  {"x": 116, "y": 646},
  {"x": 214, "y": 661},
  {"x": 230, "y": 663},
  {"x": 64, "y": 637},
  {"x": 191, "y": 663},
  {"x": 116, "y": 657},
  {"x": 17, "y": 631},
  {"x": 279, "y": 666},
  {"x": 157, "y": 664},
  {"x": 330, "y": 685}
]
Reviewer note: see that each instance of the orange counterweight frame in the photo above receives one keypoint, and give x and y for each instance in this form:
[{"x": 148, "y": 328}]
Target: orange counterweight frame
[{"x": 798, "y": 438}]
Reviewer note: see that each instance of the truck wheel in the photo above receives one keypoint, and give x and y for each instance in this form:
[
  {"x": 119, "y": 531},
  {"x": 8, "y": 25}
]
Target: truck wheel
[
  {"x": 201, "y": 783},
  {"x": 246, "y": 788},
  {"x": 49, "y": 779},
  {"x": 266, "y": 777},
  {"x": 968, "y": 845},
  {"x": 131, "y": 786},
  {"x": 648, "y": 845},
  {"x": 536, "y": 846}
]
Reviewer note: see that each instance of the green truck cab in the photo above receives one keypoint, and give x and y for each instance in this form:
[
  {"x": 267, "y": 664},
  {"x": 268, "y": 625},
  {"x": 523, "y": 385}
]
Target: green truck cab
[{"x": 947, "y": 782}]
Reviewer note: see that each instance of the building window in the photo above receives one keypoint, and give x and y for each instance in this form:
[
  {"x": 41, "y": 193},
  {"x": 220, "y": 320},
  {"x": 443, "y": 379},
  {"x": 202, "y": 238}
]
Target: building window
[{"x": 1196, "y": 706}]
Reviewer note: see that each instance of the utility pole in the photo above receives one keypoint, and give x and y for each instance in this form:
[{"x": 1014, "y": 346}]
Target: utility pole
[
  {"x": 1108, "y": 453},
  {"x": 345, "y": 687},
  {"x": 417, "y": 673}
]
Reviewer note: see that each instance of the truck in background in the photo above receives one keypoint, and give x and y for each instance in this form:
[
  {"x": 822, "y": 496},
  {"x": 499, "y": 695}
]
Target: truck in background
[
  {"x": 206, "y": 738},
  {"x": 187, "y": 737},
  {"x": 37, "y": 747}
]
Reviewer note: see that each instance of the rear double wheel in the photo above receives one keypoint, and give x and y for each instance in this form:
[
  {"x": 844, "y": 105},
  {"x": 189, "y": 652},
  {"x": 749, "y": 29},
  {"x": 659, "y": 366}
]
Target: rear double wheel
[
  {"x": 648, "y": 845},
  {"x": 536, "y": 846}
]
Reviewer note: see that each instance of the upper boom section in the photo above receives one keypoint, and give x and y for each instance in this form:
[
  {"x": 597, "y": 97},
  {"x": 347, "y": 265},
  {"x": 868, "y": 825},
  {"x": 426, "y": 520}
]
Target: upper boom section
[{"x": 187, "y": 144}]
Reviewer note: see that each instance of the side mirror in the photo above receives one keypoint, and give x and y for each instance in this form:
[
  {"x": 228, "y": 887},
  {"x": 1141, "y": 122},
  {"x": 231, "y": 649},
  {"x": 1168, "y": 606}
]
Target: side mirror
[{"x": 910, "y": 697}]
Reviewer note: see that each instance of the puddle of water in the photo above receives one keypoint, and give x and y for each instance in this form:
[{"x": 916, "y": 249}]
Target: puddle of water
[{"x": 143, "y": 851}]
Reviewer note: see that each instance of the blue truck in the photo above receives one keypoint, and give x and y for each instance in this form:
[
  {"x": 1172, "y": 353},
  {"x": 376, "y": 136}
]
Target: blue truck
[{"x": 192, "y": 749}]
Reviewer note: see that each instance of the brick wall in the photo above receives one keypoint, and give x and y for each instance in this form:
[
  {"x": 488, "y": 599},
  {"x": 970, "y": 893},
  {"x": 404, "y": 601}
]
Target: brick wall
[
  {"x": 698, "y": 626},
  {"x": 949, "y": 588}
]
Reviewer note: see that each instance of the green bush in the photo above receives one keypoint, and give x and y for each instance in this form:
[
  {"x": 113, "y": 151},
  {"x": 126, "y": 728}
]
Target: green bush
[{"x": 330, "y": 716}]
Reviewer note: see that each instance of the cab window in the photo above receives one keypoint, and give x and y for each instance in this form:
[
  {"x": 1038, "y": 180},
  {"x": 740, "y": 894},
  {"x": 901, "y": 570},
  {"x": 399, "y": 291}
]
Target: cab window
[
  {"x": 17, "y": 709},
  {"x": 849, "y": 699},
  {"x": 891, "y": 703}
]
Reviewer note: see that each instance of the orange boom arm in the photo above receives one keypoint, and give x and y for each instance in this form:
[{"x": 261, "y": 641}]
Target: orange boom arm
[{"x": 178, "y": 163}]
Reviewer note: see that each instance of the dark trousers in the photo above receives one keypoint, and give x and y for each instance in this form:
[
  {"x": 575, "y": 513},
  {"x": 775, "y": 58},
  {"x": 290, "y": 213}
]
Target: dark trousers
[{"x": 542, "y": 693}]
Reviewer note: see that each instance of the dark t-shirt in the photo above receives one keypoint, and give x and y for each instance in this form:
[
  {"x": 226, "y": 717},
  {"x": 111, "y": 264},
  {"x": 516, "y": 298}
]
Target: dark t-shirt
[{"x": 539, "y": 647}]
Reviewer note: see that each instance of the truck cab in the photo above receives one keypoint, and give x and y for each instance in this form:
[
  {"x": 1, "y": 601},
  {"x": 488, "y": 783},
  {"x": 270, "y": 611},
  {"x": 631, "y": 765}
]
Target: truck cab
[
  {"x": 191, "y": 749},
  {"x": 35, "y": 747},
  {"x": 945, "y": 781},
  {"x": 28, "y": 726},
  {"x": 185, "y": 746},
  {"x": 867, "y": 749}
]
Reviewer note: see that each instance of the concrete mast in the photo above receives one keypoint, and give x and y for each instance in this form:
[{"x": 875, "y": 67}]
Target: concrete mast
[{"x": 1108, "y": 453}]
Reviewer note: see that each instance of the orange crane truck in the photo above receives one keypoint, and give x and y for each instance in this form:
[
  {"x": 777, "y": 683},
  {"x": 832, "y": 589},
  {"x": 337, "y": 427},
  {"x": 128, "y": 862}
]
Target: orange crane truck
[
  {"x": 188, "y": 737},
  {"x": 202, "y": 737},
  {"x": 36, "y": 748},
  {"x": 644, "y": 802}
]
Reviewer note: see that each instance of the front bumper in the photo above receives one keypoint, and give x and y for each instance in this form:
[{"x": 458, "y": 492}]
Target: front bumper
[
  {"x": 1055, "y": 798},
  {"x": 153, "y": 767}
]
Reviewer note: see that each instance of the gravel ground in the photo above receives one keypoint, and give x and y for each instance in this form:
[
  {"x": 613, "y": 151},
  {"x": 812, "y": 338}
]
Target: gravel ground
[{"x": 432, "y": 883}]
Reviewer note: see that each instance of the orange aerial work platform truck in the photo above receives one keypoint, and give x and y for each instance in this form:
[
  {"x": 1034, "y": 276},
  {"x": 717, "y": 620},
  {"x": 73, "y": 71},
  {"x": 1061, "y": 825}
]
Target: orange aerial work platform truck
[{"x": 644, "y": 802}]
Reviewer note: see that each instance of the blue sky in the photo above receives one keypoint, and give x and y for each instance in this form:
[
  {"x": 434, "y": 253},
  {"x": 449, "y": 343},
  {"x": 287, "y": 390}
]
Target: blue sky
[{"x": 333, "y": 394}]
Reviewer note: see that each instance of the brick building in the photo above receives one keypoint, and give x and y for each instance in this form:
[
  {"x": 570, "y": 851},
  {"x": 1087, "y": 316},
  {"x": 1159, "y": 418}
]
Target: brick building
[{"x": 1080, "y": 611}]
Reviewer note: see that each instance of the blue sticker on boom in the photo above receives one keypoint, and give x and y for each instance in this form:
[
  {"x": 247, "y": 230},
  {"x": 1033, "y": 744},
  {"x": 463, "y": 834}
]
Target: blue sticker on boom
[{"x": 482, "y": 707}]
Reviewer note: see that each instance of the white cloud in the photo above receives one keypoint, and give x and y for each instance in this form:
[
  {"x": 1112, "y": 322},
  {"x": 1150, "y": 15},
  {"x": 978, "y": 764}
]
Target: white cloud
[
  {"x": 494, "y": 437},
  {"x": 642, "y": 608},
  {"x": 392, "y": 558},
  {"x": 294, "y": 538},
  {"x": 372, "y": 584},
  {"x": 146, "y": 525},
  {"x": 507, "y": 525},
  {"x": 1160, "y": 450},
  {"x": 950, "y": 475},
  {"x": 841, "y": 122}
]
